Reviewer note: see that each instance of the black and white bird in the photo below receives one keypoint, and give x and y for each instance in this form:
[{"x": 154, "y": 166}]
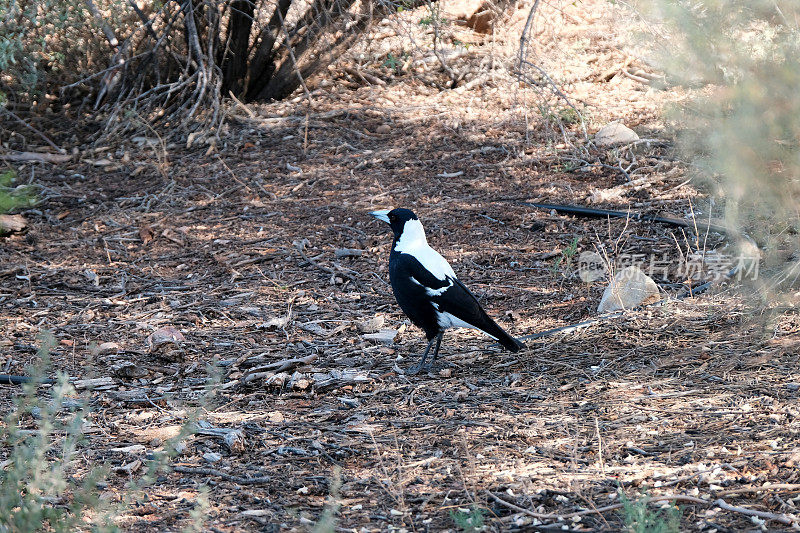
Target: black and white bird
[{"x": 427, "y": 289}]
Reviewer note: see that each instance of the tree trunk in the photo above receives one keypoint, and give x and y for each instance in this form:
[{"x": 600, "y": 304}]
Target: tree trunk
[
  {"x": 262, "y": 66},
  {"x": 234, "y": 65},
  {"x": 288, "y": 76}
]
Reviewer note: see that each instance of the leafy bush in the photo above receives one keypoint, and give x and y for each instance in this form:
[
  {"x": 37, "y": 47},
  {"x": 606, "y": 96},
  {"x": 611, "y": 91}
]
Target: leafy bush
[
  {"x": 44, "y": 45},
  {"x": 469, "y": 521},
  {"x": 743, "y": 131},
  {"x": 14, "y": 197},
  {"x": 172, "y": 61},
  {"x": 37, "y": 490},
  {"x": 640, "y": 519}
]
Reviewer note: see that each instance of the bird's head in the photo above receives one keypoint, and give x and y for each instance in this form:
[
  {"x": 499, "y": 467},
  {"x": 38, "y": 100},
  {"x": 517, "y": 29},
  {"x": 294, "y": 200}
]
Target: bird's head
[{"x": 400, "y": 220}]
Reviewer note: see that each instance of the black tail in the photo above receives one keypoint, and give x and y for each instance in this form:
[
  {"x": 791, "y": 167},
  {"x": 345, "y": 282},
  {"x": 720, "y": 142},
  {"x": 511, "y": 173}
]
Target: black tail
[
  {"x": 491, "y": 328},
  {"x": 463, "y": 305}
]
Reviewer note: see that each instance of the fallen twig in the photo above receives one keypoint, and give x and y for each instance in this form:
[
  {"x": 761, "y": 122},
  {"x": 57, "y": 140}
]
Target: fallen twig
[
  {"x": 634, "y": 77},
  {"x": 606, "y": 213},
  {"x": 233, "y": 438},
  {"x": 609, "y": 74},
  {"x": 242, "y": 105},
  {"x": 782, "y": 518},
  {"x": 599, "y": 510},
  {"x": 284, "y": 365},
  {"x": 36, "y": 156},
  {"x": 365, "y": 76},
  {"x": 722, "y": 504},
  {"x": 300, "y": 247},
  {"x": 44, "y": 137},
  {"x": 227, "y": 477},
  {"x": 764, "y": 488}
]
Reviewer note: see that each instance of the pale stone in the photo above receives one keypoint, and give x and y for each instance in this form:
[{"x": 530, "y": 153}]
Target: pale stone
[
  {"x": 630, "y": 288},
  {"x": 614, "y": 133}
]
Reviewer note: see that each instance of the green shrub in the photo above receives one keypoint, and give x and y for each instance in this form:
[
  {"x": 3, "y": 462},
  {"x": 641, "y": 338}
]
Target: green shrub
[
  {"x": 742, "y": 131},
  {"x": 38, "y": 491},
  {"x": 14, "y": 197},
  {"x": 469, "y": 521},
  {"x": 640, "y": 519},
  {"x": 44, "y": 44}
]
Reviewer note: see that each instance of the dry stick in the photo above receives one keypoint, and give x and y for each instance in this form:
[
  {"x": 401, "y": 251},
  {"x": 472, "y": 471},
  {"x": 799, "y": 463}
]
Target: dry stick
[
  {"x": 610, "y": 73},
  {"x": 599, "y": 447},
  {"x": 294, "y": 60},
  {"x": 227, "y": 477},
  {"x": 242, "y": 105},
  {"x": 195, "y": 49},
  {"x": 454, "y": 78},
  {"x": 34, "y": 130},
  {"x": 107, "y": 31},
  {"x": 281, "y": 366},
  {"x": 147, "y": 23},
  {"x": 765, "y": 488},
  {"x": 6, "y": 379},
  {"x": 523, "y": 39},
  {"x": 722, "y": 504},
  {"x": 37, "y": 156},
  {"x": 782, "y": 518},
  {"x": 634, "y": 77},
  {"x": 366, "y": 76}
]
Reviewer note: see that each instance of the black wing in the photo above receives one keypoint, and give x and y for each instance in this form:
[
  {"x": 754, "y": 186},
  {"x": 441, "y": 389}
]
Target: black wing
[{"x": 462, "y": 304}]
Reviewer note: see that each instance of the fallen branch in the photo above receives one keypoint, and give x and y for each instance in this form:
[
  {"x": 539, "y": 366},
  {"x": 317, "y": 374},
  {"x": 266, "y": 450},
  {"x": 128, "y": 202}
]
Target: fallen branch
[
  {"x": 44, "y": 137},
  {"x": 242, "y": 105},
  {"x": 365, "y": 76},
  {"x": 6, "y": 379},
  {"x": 36, "y": 156},
  {"x": 764, "y": 488},
  {"x": 227, "y": 477},
  {"x": 282, "y": 366},
  {"x": 599, "y": 510},
  {"x": 782, "y": 518},
  {"x": 634, "y": 77},
  {"x": 347, "y": 252},
  {"x": 609, "y": 74},
  {"x": 607, "y": 213},
  {"x": 300, "y": 247},
  {"x": 722, "y": 504},
  {"x": 233, "y": 438},
  {"x": 104, "y": 27}
]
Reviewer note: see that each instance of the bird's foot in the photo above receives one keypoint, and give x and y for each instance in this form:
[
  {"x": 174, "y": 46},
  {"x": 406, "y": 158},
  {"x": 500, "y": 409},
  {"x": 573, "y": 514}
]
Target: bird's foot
[
  {"x": 430, "y": 366},
  {"x": 414, "y": 370}
]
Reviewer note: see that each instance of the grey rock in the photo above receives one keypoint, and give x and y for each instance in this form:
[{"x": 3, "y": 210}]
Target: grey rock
[
  {"x": 614, "y": 133},
  {"x": 630, "y": 288}
]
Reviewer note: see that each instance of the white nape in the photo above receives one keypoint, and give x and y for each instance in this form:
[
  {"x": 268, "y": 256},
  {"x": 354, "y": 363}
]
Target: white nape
[{"x": 413, "y": 242}]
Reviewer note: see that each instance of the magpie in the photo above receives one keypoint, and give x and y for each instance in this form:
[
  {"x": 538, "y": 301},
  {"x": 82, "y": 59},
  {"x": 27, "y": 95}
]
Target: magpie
[{"x": 427, "y": 289}]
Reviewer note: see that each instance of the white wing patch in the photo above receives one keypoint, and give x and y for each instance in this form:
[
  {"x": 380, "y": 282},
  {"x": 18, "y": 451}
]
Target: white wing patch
[
  {"x": 439, "y": 292},
  {"x": 448, "y": 320},
  {"x": 413, "y": 242},
  {"x": 433, "y": 292}
]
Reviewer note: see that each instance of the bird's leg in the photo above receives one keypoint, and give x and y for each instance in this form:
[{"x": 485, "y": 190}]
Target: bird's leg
[
  {"x": 438, "y": 344},
  {"x": 416, "y": 368}
]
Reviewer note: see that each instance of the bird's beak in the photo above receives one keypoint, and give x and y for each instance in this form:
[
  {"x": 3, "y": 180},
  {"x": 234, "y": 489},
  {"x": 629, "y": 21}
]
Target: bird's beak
[{"x": 382, "y": 214}]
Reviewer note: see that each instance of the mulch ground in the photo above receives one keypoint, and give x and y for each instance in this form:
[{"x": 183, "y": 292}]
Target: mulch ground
[{"x": 261, "y": 256}]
